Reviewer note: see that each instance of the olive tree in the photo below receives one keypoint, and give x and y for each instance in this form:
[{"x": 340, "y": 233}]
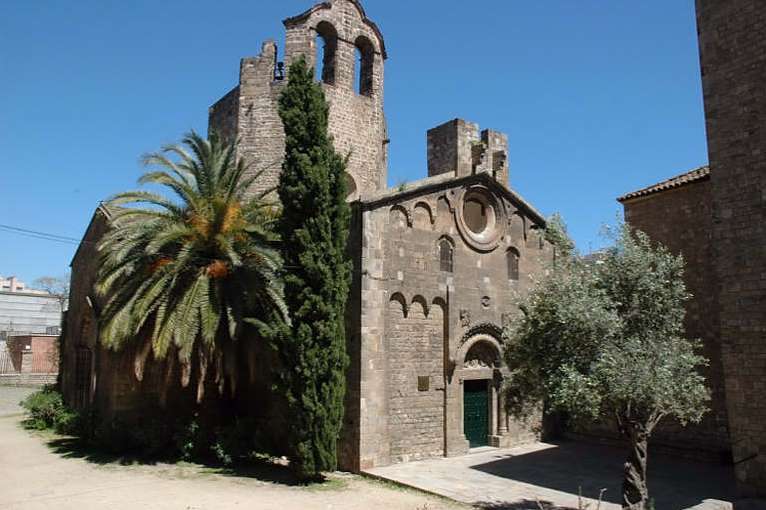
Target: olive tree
[{"x": 602, "y": 338}]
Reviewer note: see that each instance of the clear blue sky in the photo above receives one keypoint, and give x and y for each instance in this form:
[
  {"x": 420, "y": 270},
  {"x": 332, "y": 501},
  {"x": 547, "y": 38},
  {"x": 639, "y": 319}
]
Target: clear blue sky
[{"x": 598, "y": 98}]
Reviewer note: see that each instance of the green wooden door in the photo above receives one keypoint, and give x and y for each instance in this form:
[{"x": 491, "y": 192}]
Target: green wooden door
[{"x": 476, "y": 413}]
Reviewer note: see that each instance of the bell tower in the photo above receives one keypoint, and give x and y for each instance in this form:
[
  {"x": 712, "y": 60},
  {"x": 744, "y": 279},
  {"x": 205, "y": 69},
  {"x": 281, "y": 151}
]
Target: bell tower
[{"x": 349, "y": 53}]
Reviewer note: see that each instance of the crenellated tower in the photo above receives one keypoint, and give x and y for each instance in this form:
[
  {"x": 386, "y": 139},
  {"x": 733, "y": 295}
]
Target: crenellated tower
[
  {"x": 458, "y": 147},
  {"x": 348, "y": 51}
]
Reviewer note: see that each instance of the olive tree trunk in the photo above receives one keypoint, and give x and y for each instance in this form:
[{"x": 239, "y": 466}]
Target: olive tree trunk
[{"x": 635, "y": 492}]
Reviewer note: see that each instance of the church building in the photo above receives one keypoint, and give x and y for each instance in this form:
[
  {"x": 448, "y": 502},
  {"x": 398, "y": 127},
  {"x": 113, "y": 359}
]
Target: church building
[{"x": 439, "y": 264}]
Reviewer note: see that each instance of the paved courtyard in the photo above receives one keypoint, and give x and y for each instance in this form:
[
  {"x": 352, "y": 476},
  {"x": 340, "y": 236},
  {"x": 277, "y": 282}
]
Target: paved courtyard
[{"x": 554, "y": 473}]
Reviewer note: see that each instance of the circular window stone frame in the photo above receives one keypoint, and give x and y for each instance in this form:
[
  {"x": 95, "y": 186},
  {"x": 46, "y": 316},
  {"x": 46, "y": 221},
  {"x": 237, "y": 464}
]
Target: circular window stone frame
[{"x": 490, "y": 237}]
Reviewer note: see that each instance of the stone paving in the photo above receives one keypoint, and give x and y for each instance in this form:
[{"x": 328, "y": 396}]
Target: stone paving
[
  {"x": 516, "y": 479},
  {"x": 10, "y": 396}
]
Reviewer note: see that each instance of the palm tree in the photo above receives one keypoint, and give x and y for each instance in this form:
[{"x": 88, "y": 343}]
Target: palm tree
[{"x": 183, "y": 277}]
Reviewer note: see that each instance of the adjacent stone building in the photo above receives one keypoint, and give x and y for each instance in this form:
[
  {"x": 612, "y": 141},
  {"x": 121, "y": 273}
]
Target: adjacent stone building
[
  {"x": 439, "y": 264},
  {"x": 716, "y": 217},
  {"x": 687, "y": 199},
  {"x": 733, "y": 52}
]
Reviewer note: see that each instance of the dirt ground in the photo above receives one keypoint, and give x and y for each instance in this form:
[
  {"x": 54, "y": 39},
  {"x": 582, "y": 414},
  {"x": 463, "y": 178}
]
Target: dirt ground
[
  {"x": 41, "y": 471},
  {"x": 10, "y": 396}
]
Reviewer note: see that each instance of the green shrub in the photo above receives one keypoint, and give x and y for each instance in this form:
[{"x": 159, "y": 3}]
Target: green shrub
[
  {"x": 235, "y": 442},
  {"x": 227, "y": 445},
  {"x": 153, "y": 436},
  {"x": 46, "y": 410},
  {"x": 187, "y": 440}
]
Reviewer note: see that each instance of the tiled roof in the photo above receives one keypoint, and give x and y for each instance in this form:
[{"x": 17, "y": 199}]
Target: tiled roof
[{"x": 698, "y": 174}]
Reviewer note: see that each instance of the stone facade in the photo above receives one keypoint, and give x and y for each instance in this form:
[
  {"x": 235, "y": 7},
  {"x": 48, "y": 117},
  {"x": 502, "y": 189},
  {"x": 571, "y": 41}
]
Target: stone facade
[
  {"x": 430, "y": 322},
  {"x": 733, "y": 56},
  {"x": 336, "y": 30},
  {"x": 439, "y": 266}
]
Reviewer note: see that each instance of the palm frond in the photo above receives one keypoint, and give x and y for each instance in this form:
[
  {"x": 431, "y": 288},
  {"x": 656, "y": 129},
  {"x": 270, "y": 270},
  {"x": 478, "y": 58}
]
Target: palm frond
[{"x": 185, "y": 275}]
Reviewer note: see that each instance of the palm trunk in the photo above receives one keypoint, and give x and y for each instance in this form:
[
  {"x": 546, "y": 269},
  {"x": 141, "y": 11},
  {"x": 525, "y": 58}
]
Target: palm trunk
[{"x": 635, "y": 493}]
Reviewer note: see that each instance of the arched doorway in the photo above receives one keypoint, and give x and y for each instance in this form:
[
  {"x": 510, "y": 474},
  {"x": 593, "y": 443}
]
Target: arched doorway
[
  {"x": 476, "y": 412},
  {"x": 480, "y": 377}
]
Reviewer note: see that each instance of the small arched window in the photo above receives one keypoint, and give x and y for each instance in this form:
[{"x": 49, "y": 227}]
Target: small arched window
[
  {"x": 327, "y": 49},
  {"x": 513, "y": 264},
  {"x": 446, "y": 256},
  {"x": 365, "y": 66}
]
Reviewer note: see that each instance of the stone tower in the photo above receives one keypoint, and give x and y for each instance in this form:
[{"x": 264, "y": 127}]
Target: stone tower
[
  {"x": 458, "y": 147},
  {"x": 732, "y": 49},
  {"x": 337, "y": 37}
]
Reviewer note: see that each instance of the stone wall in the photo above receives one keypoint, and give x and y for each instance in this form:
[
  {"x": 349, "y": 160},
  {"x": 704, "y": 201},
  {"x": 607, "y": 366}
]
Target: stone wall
[
  {"x": 27, "y": 379},
  {"x": 80, "y": 326},
  {"x": 732, "y": 48},
  {"x": 349, "y": 443},
  {"x": 223, "y": 116},
  {"x": 415, "y": 379}
]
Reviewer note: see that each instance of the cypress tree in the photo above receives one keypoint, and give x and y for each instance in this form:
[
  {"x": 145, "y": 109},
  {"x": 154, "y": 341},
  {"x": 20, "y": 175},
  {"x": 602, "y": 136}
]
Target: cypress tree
[{"x": 314, "y": 229}]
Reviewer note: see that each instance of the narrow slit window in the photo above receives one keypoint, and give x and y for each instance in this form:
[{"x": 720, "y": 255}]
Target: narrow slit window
[
  {"x": 446, "y": 255},
  {"x": 513, "y": 264}
]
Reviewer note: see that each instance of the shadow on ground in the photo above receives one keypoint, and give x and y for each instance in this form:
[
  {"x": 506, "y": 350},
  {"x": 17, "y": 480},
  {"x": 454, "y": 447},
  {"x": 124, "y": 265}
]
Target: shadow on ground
[
  {"x": 262, "y": 470},
  {"x": 526, "y": 504},
  {"x": 586, "y": 468}
]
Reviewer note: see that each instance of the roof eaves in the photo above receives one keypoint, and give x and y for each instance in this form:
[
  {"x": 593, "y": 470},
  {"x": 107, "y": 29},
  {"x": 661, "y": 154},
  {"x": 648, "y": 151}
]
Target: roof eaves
[{"x": 698, "y": 174}]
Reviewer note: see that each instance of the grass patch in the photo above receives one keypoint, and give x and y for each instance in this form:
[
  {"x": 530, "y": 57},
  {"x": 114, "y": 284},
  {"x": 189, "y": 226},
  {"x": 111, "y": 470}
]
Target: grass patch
[
  {"x": 399, "y": 487},
  {"x": 333, "y": 483}
]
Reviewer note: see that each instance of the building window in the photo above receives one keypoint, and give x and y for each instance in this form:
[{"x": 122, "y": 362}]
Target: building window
[
  {"x": 327, "y": 49},
  {"x": 365, "y": 66},
  {"x": 446, "y": 256},
  {"x": 479, "y": 216},
  {"x": 513, "y": 264}
]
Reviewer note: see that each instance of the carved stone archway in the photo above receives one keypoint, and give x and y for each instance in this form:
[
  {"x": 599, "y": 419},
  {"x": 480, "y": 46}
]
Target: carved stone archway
[
  {"x": 481, "y": 355},
  {"x": 479, "y": 359}
]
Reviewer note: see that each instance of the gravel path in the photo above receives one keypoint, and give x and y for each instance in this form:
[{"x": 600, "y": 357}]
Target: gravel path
[
  {"x": 10, "y": 396},
  {"x": 42, "y": 472}
]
